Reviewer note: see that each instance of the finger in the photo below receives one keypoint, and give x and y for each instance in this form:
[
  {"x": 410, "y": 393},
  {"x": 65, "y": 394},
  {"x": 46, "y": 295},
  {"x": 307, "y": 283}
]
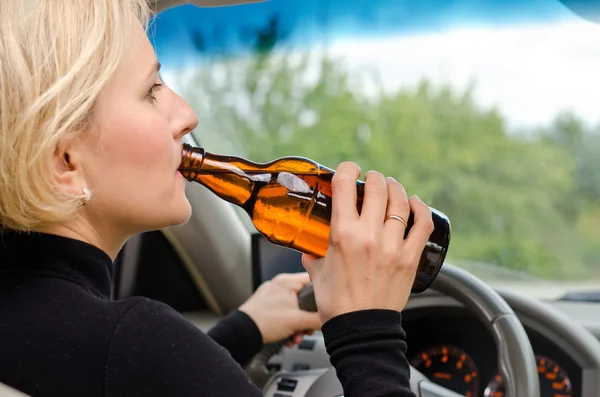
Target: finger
[
  {"x": 397, "y": 205},
  {"x": 343, "y": 192},
  {"x": 421, "y": 230},
  {"x": 295, "y": 281},
  {"x": 294, "y": 339},
  {"x": 375, "y": 199},
  {"x": 307, "y": 321},
  {"x": 298, "y": 338}
]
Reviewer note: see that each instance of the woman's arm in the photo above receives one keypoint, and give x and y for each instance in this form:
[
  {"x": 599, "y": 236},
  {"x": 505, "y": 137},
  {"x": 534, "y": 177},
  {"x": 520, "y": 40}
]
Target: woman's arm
[
  {"x": 154, "y": 351},
  {"x": 367, "y": 349},
  {"x": 239, "y": 335}
]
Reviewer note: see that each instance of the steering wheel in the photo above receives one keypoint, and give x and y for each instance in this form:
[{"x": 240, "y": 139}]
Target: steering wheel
[{"x": 516, "y": 359}]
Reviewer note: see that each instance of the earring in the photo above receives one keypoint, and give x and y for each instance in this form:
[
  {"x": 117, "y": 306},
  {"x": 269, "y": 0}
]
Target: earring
[{"x": 88, "y": 196}]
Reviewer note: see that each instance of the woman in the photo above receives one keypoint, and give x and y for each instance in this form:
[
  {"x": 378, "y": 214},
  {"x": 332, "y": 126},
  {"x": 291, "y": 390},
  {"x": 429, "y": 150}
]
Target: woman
[{"x": 90, "y": 143}]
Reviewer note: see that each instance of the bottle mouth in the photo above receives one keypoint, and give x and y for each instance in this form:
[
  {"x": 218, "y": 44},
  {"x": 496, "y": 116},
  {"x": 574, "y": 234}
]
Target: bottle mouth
[{"x": 186, "y": 156}]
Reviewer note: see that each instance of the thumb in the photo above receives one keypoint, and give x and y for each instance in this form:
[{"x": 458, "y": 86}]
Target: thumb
[
  {"x": 296, "y": 281},
  {"x": 307, "y": 321},
  {"x": 308, "y": 262}
]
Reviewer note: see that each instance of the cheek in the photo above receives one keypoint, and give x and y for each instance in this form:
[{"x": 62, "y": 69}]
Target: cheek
[{"x": 134, "y": 144}]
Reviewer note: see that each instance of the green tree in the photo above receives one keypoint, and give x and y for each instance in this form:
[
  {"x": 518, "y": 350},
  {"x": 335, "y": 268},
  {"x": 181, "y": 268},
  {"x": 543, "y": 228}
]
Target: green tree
[{"x": 515, "y": 200}]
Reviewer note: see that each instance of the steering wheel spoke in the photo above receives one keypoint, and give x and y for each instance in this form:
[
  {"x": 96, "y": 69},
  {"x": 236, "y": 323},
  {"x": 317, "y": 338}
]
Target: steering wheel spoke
[{"x": 423, "y": 387}]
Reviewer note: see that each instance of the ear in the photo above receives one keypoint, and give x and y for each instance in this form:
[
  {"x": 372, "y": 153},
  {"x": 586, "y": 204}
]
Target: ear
[{"x": 68, "y": 170}]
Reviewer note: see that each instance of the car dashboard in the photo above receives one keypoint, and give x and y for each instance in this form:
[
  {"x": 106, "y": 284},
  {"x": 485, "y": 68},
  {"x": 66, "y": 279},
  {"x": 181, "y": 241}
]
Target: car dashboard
[{"x": 453, "y": 348}]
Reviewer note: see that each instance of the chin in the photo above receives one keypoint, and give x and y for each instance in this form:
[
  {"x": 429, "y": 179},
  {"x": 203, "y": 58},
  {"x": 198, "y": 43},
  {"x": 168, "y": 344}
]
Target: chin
[
  {"x": 182, "y": 214},
  {"x": 175, "y": 212}
]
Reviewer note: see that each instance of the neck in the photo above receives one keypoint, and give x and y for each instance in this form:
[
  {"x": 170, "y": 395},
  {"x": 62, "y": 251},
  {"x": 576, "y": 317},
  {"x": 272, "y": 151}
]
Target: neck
[{"x": 80, "y": 229}]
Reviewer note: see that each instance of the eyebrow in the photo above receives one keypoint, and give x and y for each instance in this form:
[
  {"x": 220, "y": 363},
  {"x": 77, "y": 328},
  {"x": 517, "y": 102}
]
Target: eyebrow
[{"x": 155, "y": 69}]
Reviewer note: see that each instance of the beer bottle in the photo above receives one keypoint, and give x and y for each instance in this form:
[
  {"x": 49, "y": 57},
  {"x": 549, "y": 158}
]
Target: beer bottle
[{"x": 289, "y": 202}]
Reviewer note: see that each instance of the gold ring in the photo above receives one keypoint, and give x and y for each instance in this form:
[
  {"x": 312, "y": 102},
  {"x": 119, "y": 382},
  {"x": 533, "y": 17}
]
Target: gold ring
[{"x": 398, "y": 218}]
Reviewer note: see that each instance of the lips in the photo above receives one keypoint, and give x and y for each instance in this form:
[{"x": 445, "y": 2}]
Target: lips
[{"x": 179, "y": 157}]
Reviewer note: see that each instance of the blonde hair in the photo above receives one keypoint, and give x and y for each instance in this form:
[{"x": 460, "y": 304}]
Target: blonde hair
[{"x": 56, "y": 56}]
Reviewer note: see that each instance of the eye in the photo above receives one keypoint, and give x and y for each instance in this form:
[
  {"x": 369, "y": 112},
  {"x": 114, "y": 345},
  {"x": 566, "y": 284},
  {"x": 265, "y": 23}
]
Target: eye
[{"x": 152, "y": 90}]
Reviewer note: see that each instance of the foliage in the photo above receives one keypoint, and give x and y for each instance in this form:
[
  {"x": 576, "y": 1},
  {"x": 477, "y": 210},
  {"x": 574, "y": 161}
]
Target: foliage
[{"x": 527, "y": 200}]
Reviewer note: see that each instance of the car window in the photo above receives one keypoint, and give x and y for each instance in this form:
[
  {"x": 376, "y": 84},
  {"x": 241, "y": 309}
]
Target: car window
[{"x": 488, "y": 110}]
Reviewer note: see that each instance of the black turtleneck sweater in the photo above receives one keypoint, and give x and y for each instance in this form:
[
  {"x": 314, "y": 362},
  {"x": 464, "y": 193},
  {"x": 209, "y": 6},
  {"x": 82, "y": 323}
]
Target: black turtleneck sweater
[{"x": 62, "y": 335}]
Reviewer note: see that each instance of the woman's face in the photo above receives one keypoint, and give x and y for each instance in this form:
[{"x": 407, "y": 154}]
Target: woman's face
[{"x": 130, "y": 156}]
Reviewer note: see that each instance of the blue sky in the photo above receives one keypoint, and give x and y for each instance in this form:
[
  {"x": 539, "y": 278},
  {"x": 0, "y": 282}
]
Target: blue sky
[
  {"x": 531, "y": 58},
  {"x": 303, "y": 21}
]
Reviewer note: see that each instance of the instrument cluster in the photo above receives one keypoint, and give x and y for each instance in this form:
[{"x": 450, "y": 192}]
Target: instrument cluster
[{"x": 455, "y": 350}]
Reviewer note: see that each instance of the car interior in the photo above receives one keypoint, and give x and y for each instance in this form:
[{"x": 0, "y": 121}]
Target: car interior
[{"x": 486, "y": 327}]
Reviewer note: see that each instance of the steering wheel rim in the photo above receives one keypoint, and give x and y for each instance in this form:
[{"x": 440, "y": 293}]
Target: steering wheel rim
[{"x": 516, "y": 360}]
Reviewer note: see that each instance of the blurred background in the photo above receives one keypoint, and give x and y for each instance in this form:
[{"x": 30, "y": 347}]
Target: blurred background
[{"x": 487, "y": 110}]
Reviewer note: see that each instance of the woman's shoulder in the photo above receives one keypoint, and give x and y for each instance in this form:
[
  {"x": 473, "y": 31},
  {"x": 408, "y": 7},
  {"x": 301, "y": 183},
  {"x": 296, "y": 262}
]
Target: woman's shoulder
[{"x": 148, "y": 316}]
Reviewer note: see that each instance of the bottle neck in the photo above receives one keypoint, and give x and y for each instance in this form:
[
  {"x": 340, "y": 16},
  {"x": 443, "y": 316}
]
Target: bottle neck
[
  {"x": 228, "y": 177},
  {"x": 192, "y": 159}
]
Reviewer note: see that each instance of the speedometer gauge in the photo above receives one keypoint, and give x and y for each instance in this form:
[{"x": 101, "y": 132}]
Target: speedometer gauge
[
  {"x": 554, "y": 381},
  {"x": 450, "y": 367}
]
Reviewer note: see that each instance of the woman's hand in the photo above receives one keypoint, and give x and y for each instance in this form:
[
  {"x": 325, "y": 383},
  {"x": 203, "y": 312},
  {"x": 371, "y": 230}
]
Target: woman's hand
[
  {"x": 369, "y": 264},
  {"x": 274, "y": 309}
]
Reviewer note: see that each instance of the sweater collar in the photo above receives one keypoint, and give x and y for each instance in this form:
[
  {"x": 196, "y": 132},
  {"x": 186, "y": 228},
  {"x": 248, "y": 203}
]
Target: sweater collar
[{"x": 59, "y": 256}]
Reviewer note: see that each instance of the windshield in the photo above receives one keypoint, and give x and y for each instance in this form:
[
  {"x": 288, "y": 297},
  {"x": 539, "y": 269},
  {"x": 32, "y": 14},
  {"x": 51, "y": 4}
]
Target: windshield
[{"x": 489, "y": 111}]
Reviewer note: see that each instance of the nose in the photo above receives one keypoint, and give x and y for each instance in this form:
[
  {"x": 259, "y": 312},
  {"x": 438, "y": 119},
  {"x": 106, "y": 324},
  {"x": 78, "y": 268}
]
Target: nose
[{"x": 183, "y": 118}]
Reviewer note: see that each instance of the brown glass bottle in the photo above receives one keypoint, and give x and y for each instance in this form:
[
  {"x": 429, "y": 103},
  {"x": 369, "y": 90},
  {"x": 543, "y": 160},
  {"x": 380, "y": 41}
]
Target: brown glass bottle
[{"x": 289, "y": 202}]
